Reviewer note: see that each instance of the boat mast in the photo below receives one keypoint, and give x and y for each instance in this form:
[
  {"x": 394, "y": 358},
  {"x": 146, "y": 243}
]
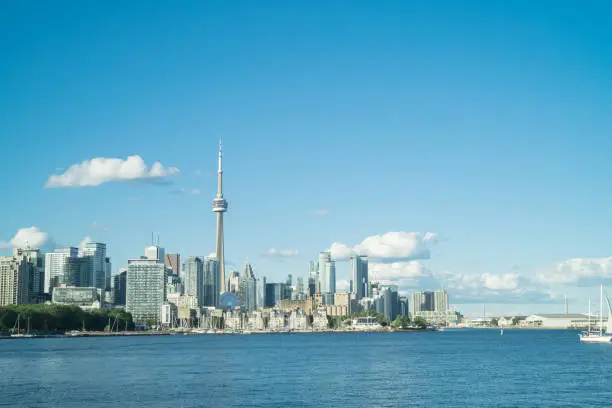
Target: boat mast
[
  {"x": 601, "y": 310},
  {"x": 589, "y": 317}
]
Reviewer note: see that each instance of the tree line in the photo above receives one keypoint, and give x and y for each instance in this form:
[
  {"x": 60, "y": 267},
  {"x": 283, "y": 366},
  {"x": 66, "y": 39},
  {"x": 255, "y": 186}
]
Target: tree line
[{"x": 60, "y": 319}]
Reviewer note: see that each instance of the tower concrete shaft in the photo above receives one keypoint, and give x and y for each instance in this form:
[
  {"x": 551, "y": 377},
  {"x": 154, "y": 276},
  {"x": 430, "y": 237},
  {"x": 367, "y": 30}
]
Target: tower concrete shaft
[{"x": 219, "y": 206}]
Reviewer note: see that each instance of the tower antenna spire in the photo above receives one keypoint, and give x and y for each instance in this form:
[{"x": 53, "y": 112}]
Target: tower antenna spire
[{"x": 220, "y": 156}]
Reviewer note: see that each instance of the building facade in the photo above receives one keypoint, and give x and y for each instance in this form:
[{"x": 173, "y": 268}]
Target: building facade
[
  {"x": 120, "y": 287},
  {"x": 359, "y": 276},
  {"x": 145, "y": 291},
  {"x": 212, "y": 282},
  {"x": 327, "y": 274},
  {"x": 193, "y": 278},
  {"x": 14, "y": 280},
  {"x": 94, "y": 254},
  {"x": 173, "y": 263},
  {"x": 62, "y": 266}
]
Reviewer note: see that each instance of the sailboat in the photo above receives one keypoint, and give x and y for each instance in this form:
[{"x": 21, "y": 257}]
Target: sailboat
[
  {"x": 592, "y": 336},
  {"x": 501, "y": 331},
  {"x": 17, "y": 330}
]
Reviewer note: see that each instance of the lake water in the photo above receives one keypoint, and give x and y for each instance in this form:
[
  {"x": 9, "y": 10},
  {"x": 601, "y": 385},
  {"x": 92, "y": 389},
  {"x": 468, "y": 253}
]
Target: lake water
[{"x": 456, "y": 368}]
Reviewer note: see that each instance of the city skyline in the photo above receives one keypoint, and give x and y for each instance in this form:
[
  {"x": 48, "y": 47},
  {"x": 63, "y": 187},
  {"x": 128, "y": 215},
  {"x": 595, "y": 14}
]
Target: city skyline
[{"x": 487, "y": 179}]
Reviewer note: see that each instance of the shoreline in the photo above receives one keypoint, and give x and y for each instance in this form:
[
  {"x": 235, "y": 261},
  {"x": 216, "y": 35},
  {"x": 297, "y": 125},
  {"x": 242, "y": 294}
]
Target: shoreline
[{"x": 241, "y": 333}]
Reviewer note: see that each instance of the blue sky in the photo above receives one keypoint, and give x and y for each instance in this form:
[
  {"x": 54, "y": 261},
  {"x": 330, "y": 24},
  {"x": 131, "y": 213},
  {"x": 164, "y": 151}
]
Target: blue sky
[{"x": 484, "y": 122}]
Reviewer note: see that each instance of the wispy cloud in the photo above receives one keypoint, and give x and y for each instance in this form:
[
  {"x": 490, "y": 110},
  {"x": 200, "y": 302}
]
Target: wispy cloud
[
  {"x": 98, "y": 226},
  {"x": 188, "y": 191},
  {"x": 103, "y": 170},
  {"x": 286, "y": 253},
  {"x": 321, "y": 213}
]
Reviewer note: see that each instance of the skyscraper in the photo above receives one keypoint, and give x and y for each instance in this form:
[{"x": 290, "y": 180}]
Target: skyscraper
[
  {"x": 60, "y": 267},
  {"x": 37, "y": 270},
  {"x": 247, "y": 290},
  {"x": 193, "y": 278},
  {"x": 441, "y": 301},
  {"x": 96, "y": 253},
  {"x": 119, "y": 287},
  {"x": 359, "y": 276},
  {"x": 146, "y": 290},
  {"x": 14, "y": 280},
  {"x": 212, "y": 283},
  {"x": 173, "y": 262},
  {"x": 219, "y": 206},
  {"x": 327, "y": 277},
  {"x": 156, "y": 253}
]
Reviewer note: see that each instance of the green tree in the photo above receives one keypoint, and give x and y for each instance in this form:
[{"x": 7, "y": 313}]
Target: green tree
[
  {"x": 419, "y": 322},
  {"x": 494, "y": 322},
  {"x": 401, "y": 322}
]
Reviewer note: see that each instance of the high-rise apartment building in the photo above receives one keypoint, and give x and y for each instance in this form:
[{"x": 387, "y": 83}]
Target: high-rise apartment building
[
  {"x": 119, "y": 288},
  {"x": 14, "y": 280},
  {"x": 247, "y": 292},
  {"x": 212, "y": 282},
  {"x": 36, "y": 267},
  {"x": 327, "y": 276},
  {"x": 108, "y": 274},
  {"x": 145, "y": 294},
  {"x": 275, "y": 292},
  {"x": 426, "y": 302},
  {"x": 260, "y": 289},
  {"x": 95, "y": 253},
  {"x": 193, "y": 279},
  {"x": 173, "y": 262},
  {"x": 441, "y": 301},
  {"x": 63, "y": 266},
  {"x": 234, "y": 282},
  {"x": 359, "y": 276}
]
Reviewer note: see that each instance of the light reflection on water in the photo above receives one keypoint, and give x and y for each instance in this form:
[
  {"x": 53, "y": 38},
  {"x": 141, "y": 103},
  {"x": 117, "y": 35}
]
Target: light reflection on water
[{"x": 453, "y": 368}]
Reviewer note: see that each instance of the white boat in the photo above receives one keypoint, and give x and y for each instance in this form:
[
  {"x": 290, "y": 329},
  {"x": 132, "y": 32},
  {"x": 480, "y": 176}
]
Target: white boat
[
  {"x": 17, "y": 330},
  {"x": 501, "y": 331},
  {"x": 593, "y": 336}
]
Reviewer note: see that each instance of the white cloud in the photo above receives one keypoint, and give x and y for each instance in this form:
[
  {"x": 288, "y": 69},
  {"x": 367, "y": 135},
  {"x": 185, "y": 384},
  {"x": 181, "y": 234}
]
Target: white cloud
[
  {"x": 321, "y": 213},
  {"x": 287, "y": 253},
  {"x": 388, "y": 247},
  {"x": 508, "y": 281},
  {"x": 576, "y": 270},
  {"x": 31, "y": 236},
  {"x": 397, "y": 270},
  {"x": 85, "y": 241},
  {"x": 102, "y": 170}
]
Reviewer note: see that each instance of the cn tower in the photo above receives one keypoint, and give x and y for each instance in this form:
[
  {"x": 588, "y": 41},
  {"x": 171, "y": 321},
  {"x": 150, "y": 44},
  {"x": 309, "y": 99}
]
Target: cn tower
[{"x": 219, "y": 206}]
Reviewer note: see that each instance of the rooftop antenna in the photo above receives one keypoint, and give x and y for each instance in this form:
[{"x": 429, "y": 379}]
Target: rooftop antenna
[
  {"x": 158, "y": 239},
  {"x": 566, "y": 308},
  {"x": 152, "y": 239}
]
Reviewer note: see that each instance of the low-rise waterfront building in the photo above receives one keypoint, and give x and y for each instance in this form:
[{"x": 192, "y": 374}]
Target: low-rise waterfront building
[
  {"x": 86, "y": 298},
  {"x": 557, "y": 321}
]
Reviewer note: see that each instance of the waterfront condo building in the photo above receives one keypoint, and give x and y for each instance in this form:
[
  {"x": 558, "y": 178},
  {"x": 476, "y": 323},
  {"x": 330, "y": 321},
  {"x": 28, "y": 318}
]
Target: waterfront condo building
[
  {"x": 94, "y": 256},
  {"x": 145, "y": 294},
  {"x": 14, "y": 280},
  {"x": 62, "y": 266}
]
